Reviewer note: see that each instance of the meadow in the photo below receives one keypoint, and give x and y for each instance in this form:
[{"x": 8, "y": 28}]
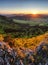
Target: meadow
[{"x": 33, "y": 21}]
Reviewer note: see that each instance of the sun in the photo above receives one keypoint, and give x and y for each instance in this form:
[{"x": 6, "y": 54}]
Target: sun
[{"x": 34, "y": 12}]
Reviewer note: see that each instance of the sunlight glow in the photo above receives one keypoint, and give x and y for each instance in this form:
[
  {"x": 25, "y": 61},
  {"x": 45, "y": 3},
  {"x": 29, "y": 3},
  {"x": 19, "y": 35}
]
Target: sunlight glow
[{"x": 34, "y": 12}]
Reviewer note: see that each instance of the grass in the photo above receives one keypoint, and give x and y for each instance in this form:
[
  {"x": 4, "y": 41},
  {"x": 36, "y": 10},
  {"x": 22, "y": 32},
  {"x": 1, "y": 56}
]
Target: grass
[{"x": 40, "y": 22}]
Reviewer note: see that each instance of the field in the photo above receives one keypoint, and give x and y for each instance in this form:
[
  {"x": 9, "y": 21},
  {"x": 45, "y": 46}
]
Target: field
[{"x": 33, "y": 21}]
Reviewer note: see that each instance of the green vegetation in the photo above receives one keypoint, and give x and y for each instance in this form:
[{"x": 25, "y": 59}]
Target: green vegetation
[
  {"x": 22, "y": 28},
  {"x": 33, "y": 22}
]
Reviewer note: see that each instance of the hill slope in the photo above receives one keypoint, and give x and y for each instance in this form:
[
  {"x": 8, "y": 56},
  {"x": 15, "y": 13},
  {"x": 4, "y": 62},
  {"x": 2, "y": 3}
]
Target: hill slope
[
  {"x": 18, "y": 55},
  {"x": 18, "y": 29}
]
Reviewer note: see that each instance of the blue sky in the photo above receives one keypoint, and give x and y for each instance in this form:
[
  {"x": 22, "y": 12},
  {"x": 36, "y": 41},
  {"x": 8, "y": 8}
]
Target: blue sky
[{"x": 23, "y": 6}]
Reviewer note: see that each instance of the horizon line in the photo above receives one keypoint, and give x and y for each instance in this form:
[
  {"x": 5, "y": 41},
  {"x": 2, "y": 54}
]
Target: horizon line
[{"x": 22, "y": 13}]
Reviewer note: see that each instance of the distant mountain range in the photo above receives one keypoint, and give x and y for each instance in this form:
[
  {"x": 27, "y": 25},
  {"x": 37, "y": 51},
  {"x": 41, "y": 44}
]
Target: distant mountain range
[{"x": 25, "y": 16}]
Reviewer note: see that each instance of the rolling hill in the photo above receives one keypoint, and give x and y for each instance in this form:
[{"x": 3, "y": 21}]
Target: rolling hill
[{"x": 23, "y": 28}]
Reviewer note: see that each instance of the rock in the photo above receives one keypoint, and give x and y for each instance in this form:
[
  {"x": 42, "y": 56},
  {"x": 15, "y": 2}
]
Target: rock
[{"x": 1, "y": 61}]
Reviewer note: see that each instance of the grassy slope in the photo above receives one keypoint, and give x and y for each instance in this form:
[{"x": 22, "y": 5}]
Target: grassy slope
[
  {"x": 31, "y": 43},
  {"x": 36, "y": 21},
  {"x": 19, "y": 29}
]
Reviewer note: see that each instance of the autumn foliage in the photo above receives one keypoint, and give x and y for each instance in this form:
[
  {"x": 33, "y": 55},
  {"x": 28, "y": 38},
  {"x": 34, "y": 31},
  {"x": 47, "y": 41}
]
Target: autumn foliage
[{"x": 30, "y": 43}]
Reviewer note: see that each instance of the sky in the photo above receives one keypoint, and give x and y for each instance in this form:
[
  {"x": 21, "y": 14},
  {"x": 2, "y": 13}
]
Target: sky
[{"x": 23, "y": 6}]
